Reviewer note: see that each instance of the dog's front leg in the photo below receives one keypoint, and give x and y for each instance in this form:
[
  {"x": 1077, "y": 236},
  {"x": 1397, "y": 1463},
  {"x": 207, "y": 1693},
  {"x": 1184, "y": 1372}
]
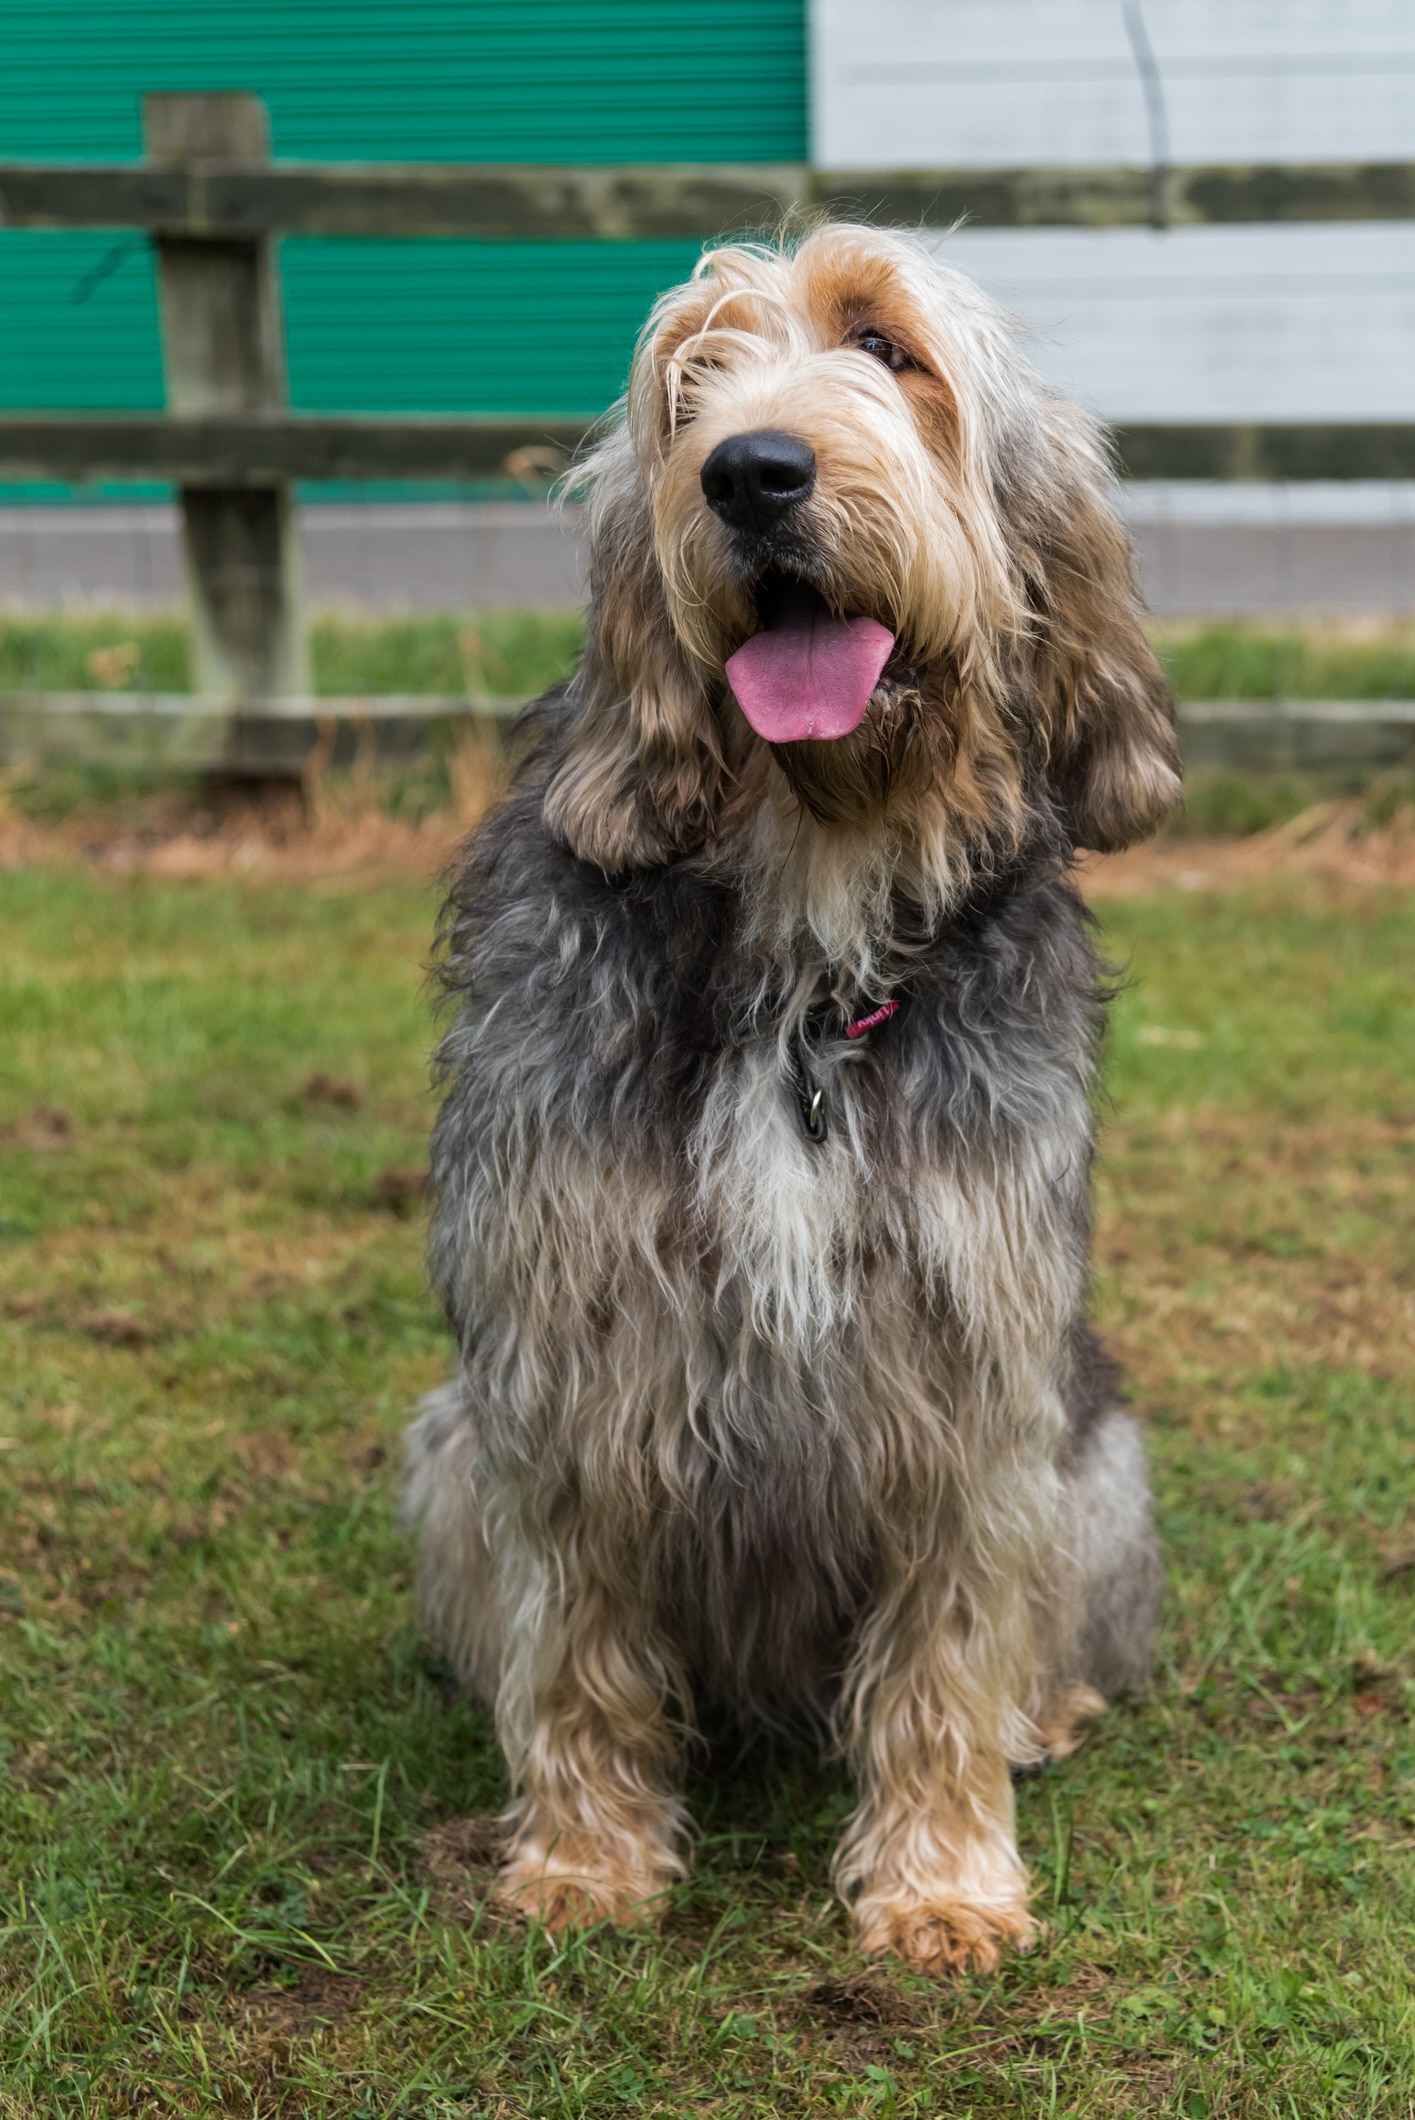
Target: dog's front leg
[
  {"x": 929, "y": 1862},
  {"x": 582, "y": 1713}
]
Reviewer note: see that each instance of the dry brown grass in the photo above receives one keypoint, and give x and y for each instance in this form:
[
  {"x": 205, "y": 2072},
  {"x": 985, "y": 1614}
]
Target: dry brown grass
[
  {"x": 326, "y": 825},
  {"x": 1332, "y": 841},
  {"x": 1301, "y": 1259},
  {"x": 343, "y": 827}
]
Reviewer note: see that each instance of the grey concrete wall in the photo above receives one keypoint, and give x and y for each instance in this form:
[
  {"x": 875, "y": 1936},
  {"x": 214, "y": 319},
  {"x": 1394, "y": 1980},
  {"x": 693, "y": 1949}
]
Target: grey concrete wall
[
  {"x": 1346, "y": 550},
  {"x": 420, "y": 557}
]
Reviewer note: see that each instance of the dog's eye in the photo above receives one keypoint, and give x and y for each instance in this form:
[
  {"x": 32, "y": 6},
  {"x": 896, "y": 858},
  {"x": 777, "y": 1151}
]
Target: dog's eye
[{"x": 881, "y": 348}]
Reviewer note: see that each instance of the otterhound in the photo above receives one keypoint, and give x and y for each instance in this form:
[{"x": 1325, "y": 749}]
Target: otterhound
[{"x": 762, "y": 1176}]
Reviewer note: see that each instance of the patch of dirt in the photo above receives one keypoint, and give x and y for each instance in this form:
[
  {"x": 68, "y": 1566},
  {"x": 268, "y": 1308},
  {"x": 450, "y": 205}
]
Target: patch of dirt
[
  {"x": 332, "y": 1094},
  {"x": 1266, "y": 1503},
  {"x": 460, "y": 1859},
  {"x": 861, "y": 2015},
  {"x": 400, "y": 1190},
  {"x": 1398, "y": 1557},
  {"x": 30, "y": 1767},
  {"x": 317, "y": 1997},
  {"x": 48, "y": 1311},
  {"x": 115, "y": 1328},
  {"x": 861, "y": 1999},
  {"x": 265, "y": 1455},
  {"x": 42, "y": 1130}
]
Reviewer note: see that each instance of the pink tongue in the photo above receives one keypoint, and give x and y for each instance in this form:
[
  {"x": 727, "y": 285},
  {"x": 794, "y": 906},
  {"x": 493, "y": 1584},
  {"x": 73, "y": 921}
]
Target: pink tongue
[{"x": 809, "y": 675}]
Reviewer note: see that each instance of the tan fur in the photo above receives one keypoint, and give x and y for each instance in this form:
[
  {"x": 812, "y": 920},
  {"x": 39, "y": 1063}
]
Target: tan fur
[{"x": 1062, "y": 1722}]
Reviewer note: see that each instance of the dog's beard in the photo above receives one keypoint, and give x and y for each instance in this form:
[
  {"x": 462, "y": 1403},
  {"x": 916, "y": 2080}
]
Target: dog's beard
[{"x": 858, "y": 779}]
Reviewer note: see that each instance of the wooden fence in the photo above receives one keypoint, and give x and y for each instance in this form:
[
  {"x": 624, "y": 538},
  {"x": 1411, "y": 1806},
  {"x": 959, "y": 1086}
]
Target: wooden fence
[
  {"x": 213, "y": 201},
  {"x": 277, "y": 736}
]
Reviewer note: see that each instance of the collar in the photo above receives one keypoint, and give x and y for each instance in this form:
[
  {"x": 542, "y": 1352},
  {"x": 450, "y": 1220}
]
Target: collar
[{"x": 812, "y": 1110}]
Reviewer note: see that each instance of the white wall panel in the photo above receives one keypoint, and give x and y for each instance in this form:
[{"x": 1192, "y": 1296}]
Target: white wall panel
[
  {"x": 1213, "y": 324},
  {"x": 1001, "y": 83},
  {"x": 973, "y": 84}
]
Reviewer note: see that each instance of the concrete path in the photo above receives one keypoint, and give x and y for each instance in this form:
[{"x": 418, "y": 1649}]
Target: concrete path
[{"x": 1343, "y": 549}]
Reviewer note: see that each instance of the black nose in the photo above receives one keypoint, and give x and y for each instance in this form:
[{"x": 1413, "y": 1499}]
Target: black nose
[{"x": 753, "y": 480}]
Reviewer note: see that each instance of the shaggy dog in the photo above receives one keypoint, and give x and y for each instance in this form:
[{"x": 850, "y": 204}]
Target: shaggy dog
[{"x": 762, "y": 1175}]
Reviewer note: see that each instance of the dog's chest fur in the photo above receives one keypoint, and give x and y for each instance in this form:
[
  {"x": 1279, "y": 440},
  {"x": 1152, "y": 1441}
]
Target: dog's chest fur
[{"x": 755, "y": 1348}]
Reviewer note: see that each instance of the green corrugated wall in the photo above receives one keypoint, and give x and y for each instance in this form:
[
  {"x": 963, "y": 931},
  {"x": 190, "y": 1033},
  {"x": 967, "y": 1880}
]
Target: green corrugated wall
[{"x": 388, "y": 326}]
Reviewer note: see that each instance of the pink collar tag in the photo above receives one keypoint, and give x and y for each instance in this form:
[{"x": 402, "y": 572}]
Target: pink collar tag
[{"x": 871, "y": 1022}]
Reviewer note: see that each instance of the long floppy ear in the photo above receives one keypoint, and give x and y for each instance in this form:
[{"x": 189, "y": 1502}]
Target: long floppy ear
[
  {"x": 1111, "y": 754},
  {"x": 639, "y": 774}
]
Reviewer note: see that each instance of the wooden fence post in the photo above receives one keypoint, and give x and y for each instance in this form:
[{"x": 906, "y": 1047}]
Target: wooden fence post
[{"x": 223, "y": 351}]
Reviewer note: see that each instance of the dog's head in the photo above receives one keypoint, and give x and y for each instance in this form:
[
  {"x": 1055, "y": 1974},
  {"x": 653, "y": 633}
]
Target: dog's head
[{"x": 844, "y": 527}]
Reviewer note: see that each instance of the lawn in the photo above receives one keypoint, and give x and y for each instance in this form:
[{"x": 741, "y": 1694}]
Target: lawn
[
  {"x": 243, "y": 1845},
  {"x": 516, "y": 653}
]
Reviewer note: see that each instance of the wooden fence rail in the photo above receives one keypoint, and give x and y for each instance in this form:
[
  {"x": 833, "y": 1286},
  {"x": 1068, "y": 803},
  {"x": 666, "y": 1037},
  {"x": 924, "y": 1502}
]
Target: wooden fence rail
[
  {"x": 240, "y": 198},
  {"x": 213, "y": 201},
  {"x": 279, "y": 735},
  {"x": 261, "y": 449},
  {"x": 244, "y": 449}
]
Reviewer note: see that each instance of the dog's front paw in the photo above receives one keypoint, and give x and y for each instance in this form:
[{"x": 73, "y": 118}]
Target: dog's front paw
[
  {"x": 570, "y": 1888},
  {"x": 1062, "y": 1723},
  {"x": 939, "y": 1934}
]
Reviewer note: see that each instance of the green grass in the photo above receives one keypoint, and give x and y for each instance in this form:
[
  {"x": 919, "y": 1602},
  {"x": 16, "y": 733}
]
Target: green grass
[
  {"x": 231, "y": 1879},
  {"x": 1243, "y": 660},
  {"x": 513, "y": 652},
  {"x": 501, "y": 652},
  {"x": 505, "y": 653}
]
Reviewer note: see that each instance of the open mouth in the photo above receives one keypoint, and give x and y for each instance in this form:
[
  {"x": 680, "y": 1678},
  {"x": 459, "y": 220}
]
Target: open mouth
[{"x": 807, "y": 674}]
